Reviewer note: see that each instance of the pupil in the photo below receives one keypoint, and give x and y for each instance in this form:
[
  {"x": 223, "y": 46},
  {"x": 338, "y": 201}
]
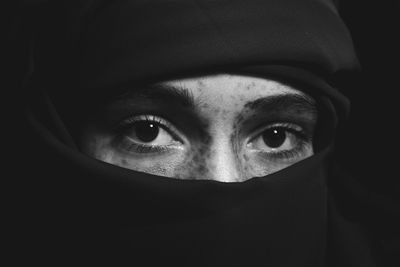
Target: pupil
[
  {"x": 146, "y": 131},
  {"x": 274, "y": 137}
]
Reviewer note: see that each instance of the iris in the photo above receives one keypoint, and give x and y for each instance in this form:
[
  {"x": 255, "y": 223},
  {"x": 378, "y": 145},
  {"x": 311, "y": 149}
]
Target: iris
[
  {"x": 146, "y": 131},
  {"x": 274, "y": 137}
]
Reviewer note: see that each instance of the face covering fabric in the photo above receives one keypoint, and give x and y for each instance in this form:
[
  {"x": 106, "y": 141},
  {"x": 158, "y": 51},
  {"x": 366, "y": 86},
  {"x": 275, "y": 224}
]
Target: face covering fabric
[{"x": 98, "y": 212}]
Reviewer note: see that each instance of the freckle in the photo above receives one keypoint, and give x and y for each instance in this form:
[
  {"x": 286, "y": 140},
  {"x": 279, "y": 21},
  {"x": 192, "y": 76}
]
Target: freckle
[
  {"x": 239, "y": 85},
  {"x": 216, "y": 111},
  {"x": 124, "y": 162},
  {"x": 200, "y": 168},
  {"x": 200, "y": 84},
  {"x": 195, "y": 166},
  {"x": 160, "y": 168},
  {"x": 204, "y": 105}
]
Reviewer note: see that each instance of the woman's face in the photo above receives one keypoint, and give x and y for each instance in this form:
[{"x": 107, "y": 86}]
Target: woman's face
[{"x": 223, "y": 127}]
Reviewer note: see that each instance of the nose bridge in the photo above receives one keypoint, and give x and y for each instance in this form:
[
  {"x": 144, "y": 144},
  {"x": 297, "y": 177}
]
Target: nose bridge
[{"x": 223, "y": 161}]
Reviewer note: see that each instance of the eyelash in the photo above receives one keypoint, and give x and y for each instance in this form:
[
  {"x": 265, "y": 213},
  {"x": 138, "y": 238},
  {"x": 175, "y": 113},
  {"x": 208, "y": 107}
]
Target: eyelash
[
  {"x": 303, "y": 138},
  {"x": 288, "y": 154},
  {"x": 139, "y": 148},
  {"x": 130, "y": 146}
]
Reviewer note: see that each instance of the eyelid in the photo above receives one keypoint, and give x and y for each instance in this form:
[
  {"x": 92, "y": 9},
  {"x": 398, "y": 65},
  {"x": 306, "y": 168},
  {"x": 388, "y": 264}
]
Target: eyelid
[
  {"x": 165, "y": 124},
  {"x": 303, "y": 140},
  {"x": 294, "y": 128}
]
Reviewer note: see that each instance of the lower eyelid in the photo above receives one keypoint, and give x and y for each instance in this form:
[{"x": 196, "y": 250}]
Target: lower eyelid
[
  {"x": 287, "y": 154},
  {"x": 123, "y": 143},
  {"x": 298, "y": 152}
]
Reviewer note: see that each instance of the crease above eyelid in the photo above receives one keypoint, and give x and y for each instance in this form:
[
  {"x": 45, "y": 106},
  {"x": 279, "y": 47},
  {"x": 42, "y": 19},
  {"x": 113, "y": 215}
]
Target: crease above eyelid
[
  {"x": 284, "y": 125},
  {"x": 184, "y": 119},
  {"x": 298, "y": 110}
]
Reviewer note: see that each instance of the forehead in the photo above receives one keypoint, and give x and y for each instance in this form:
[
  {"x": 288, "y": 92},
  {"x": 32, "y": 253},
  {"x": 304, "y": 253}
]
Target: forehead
[
  {"x": 229, "y": 87},
  {"x": 211, "y": 97}
]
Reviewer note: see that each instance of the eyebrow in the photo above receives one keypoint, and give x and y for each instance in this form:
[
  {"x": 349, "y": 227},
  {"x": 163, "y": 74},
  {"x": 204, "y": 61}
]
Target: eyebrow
[
  {"x": 184, "y": 97},
  {"x": 283, "y": 102},
  {"x": 158, "y": 99},
  {"x": 161, "y": 93},
  {"x": 178, "y": 100}
]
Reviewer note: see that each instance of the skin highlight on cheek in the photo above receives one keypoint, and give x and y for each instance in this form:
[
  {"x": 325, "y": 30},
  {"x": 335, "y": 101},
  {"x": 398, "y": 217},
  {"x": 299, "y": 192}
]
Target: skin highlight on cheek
[
  {"x": 101, "y": 146},
  {"x": 156, "y": 165},
  {"x": 260, "y": 167}
]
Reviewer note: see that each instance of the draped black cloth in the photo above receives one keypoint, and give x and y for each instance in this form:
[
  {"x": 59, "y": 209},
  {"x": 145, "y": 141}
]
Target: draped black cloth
[{"x": 87, "y": 211}]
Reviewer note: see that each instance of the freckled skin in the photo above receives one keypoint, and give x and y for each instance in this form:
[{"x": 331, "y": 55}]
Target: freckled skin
[
  {"x": 236, "y": 145},
  {"x": 221, "y": 154},
  {"x": 195, "y": 165}
]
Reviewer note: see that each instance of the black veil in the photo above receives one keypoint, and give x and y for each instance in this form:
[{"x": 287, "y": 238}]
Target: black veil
[{"x": 90, "y": 211}]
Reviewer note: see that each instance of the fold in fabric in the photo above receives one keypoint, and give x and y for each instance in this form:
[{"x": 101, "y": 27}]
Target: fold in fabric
[
  {"x": 105, "y": 44},
  {"x": 91, "y": 210},
  {"x": 110, "y": 211}
]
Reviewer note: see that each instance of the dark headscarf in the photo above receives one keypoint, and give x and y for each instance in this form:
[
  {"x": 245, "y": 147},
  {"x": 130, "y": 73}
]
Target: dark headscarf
[{"x": 90, "y": 49}]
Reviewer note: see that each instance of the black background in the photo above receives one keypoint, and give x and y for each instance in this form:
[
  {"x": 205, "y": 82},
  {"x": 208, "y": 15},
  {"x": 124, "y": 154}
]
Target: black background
[{"x": 369, "y": 146}]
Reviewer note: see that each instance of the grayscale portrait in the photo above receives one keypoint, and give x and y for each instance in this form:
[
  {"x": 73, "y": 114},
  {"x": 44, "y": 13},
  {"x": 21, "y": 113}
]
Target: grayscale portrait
[{"x": 202, "y": 133}]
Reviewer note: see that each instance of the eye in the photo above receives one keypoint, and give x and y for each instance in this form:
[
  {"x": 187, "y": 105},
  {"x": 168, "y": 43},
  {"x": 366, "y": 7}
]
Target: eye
[
  {"x": 279, "y": 139},
  {"x": 148, "y": 133}
]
